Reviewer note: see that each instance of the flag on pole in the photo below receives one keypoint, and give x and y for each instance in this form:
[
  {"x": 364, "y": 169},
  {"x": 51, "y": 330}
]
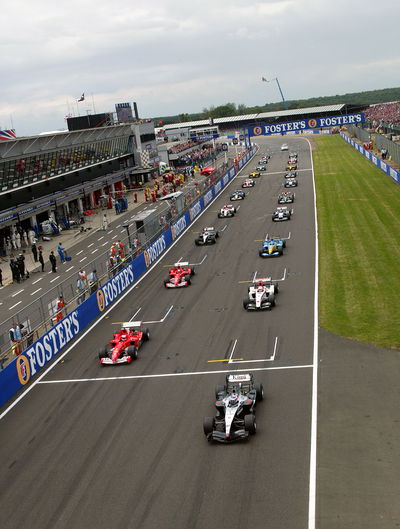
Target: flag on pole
[
  {"x": 263, "y": 79},
  {"x": 82, "y": 98}
]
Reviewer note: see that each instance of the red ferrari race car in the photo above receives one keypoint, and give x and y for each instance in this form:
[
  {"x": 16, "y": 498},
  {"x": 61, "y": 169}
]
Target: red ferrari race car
[
  {"x": 179, "y": 276},
  {"x": 124, "y": 345},
  {"x": 207, "y": 171}
]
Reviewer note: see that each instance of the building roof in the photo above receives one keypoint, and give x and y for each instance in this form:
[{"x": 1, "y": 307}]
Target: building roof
[{"x": 259, "y": 116}]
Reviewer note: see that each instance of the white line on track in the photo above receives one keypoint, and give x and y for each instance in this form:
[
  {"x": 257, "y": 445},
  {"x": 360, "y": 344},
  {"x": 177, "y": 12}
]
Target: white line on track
[
  {"x": 254, "y": 277},
  {"x": 109, "y": 233},
  {"x": 37, "y": 280},
  {"x": 16, "y": 294},
  {"x": 122, "y": 231},
  {"x": 270, "y": 359},
  {"x": 101, "y": 238},
  {"x": 104, "y": 243},
  {"x": 55, "y": 279},
  {"x": 312, "y": 494},
  {"x": 96, "y": 250},
  {"x": 15, "y": 305},
  {"x": 91, "y": 244},
  {"x": 33, "y": 293},
  {"x": 201, "y": 262},
  {"x": 70, "y": 268},
  {"x": 101, "y": 318},
  {"x": 78, "y": 253},
  {"x": 238, "y": 207},
  {"x": 119, "y": 225},
  {"x": 137, "y": 312},
  {"x": 162, "y": 319},
  {"x": 83, "y": 258},
  {"x": 233, "y": 350},
  {"x": 115, "y": 236},
  {"x": 163, "y": 375},
  {"x": 224, "y": 228}
]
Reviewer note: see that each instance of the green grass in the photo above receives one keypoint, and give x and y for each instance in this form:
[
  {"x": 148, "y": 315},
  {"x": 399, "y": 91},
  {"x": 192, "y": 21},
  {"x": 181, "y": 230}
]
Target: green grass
[{"x": 359, "y": 252}]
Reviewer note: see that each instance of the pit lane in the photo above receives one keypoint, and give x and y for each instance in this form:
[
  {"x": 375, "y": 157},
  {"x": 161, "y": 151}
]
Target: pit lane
[{"x": 123, "y": 446}]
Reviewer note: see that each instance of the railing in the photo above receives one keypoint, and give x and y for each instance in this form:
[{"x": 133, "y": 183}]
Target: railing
[{"x": 40, "y": 315}]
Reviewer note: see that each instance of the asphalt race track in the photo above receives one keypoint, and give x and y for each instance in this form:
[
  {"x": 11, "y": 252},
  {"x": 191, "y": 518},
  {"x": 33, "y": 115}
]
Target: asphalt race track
[{"x": 123, "y": 447}]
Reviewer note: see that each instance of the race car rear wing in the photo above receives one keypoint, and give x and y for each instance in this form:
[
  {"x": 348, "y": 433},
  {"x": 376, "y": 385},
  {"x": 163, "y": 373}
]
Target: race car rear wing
[{"x": 182, "y": 264}]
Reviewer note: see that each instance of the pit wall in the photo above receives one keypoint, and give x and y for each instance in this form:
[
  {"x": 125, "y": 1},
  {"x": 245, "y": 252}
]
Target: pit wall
[
  {"x": 32, "y": 360},
  {"x": 382, "y": 165}
]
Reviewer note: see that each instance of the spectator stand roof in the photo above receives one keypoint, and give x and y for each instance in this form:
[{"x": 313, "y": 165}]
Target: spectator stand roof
[{"x": 259, "y": 116}]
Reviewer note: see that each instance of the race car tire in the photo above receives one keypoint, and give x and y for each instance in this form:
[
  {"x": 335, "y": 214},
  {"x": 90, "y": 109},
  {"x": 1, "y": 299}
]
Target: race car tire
[
  {"x": 284, "y": 244},
  {"x": 246, "y": 302},
  {"x": 146, "y": 334},
  {"x": 103, "y": 353},
  {"x": 192, "y": 271},
  {"x": 187, "y": 279},
  {"x": 220, "y": 216},
  {"x": 259, "y": 391},
  {"x": 250, "y": 423},
  {"x": 132, "y": 352},
  {"x": 234, "y": 211},
  {"x": 196, "y": 242},
  {"x": 280, "y": 252},
  {"x": 166, "y": 281},
  {"x": 276, "y": 288},
  {"x": 208, "y": 425},
  {"x": 220, "y": 388},
  {"x": 216, "y": 235}
]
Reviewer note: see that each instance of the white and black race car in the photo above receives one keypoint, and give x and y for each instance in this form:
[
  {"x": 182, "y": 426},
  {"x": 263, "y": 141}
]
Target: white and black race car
[
  {"x": 286, "y": 197},
  {"x": 281, "y": 213},
  {"x": 227, "y": 211},
  {"x": 237, "y": 195},
  {"x": 290, "y": 174},
  {"x": 261, "y": 295},
  {"x": 290, "y": 182},
  {"x": 235, "y": 402},
  {"x": 261, "y": 167},
  {"x": 207, "y": 236}
]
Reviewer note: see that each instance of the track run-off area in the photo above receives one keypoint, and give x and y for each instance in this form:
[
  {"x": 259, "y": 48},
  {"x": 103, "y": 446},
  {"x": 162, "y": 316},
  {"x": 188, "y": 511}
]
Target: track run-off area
[{"x": 122, "y": 447}]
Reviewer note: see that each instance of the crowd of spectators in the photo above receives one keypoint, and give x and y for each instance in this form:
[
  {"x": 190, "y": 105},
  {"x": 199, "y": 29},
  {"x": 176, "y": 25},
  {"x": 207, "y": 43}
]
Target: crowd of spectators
[
  {"x": 197, "y": 156},
  {"x": 181, "y": 147},
  {"x": 387, "y": 113}
]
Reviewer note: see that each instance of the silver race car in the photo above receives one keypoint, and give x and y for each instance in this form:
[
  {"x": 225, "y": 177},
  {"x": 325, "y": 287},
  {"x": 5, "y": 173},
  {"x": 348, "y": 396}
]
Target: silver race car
[
  {"x": 281, "y": 213},
  {"x": 235, "y": 402},
  {"x": 207, "y": 236}
]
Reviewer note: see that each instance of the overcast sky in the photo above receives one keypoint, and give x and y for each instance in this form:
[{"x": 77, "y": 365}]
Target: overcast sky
[{"x": 175, "y": 56}]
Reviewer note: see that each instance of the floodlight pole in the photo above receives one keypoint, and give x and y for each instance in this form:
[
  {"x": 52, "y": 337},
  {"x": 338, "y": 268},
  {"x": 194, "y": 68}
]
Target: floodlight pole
[{"x": 279, "y": 87}]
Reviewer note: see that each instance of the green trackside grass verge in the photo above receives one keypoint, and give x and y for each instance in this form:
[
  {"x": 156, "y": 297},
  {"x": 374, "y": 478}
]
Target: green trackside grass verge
[{"x": 358, "y": 209}]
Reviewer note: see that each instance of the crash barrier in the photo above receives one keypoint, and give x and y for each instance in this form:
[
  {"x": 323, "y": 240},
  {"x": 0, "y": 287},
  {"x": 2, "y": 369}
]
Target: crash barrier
[
  {"x": 26, "y": 365},
  {"x": 382, "y": 165}
]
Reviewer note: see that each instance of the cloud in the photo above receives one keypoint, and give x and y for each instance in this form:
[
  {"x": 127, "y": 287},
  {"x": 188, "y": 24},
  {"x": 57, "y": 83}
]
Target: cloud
[{"x": 173, "y": 56}]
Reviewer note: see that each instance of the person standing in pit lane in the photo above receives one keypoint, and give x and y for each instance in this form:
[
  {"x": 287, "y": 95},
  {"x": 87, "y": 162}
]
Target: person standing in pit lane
[
  {"x": 53, "y": 261},
  {"x": 40, "y": 258}
]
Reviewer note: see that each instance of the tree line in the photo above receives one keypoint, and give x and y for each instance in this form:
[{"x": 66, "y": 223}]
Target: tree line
[{"x": 370, "y": 97}]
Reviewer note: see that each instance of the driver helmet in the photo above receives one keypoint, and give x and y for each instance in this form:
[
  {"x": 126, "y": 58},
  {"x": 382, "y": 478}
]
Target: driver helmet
[{"x": 234, "y": 399}]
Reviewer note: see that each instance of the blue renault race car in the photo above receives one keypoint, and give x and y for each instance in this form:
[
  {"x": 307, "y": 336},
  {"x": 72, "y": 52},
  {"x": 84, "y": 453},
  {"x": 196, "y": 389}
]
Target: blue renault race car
[{"x": 272, "y": 247}]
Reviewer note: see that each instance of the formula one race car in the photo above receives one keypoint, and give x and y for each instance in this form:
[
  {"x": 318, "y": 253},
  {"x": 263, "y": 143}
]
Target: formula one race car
[
  {"x": 286, "y": 197},
  {"x": 272, "y": 247},
  {"x": 179, "y": 276},
  {"x": 281, "y": 213},
  {"x": 227, "y": 211},
  {"x": 293, "y": 156},
  {"x": 207, "y": 236},
  {"x": 290, "y": 182},
  {"x": 237, "y": 195},
  {"x": 284, "y": 147},
  {"x": 291, "y": 166},
  {"x": 235, "y": 402},
  {"x": 261, "y": 295},
  {"x": 260, "y": 167},
  {"x": 256, "y": 173},
  {"x": 290, "y": 174},
  {"x": 248, "y": 183},
  {"x": 124, "y": 346}
]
